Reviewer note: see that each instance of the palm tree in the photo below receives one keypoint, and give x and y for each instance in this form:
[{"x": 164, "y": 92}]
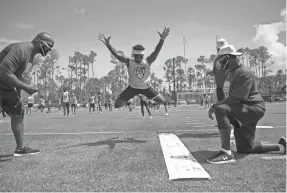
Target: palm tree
[
  {"x": 190, "y": 77},
  {"x": 92, "y": 56},
  {"x": 202, "y": 68}
]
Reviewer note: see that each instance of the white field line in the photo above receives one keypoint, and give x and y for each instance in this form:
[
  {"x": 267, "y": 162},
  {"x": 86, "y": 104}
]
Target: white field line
[
  {"x": 114, "y": 132},
  {"x": 274, "y": 157}
]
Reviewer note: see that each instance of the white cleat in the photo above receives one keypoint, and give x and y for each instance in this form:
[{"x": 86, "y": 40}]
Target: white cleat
[
  {"x": 150, "y": 117},
  {"x": 166, "y": 114}
]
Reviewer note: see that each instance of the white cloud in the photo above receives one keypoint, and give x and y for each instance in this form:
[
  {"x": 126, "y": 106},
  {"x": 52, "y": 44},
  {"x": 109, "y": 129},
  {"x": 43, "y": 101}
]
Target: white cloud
[
  {"x": 7, "y": 41},
  {"x": 80, "y": 11},
  {"x": 23, "y": 25},
  {"x": 268, "y": 35}
]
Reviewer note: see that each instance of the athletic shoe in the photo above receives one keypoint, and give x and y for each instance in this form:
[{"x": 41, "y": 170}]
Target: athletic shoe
[
  {"x": 166, "y": 114},
  {"x": 282, "y": 141},
  {"x": 221, "y": 158},
  {"x": 26, "y": 151},
  {"x": 143, "y": 117},
  {"x": 150, "y": 117}
]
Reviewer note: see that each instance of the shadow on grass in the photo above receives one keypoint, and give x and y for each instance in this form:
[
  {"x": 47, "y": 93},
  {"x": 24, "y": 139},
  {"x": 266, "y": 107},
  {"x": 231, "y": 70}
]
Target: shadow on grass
[
  {"x": 109, "y": 142},
  {"x": 198, "y": 135},
  {"x": 6, "y": 157},
  {"x": 202, "y": 156}
]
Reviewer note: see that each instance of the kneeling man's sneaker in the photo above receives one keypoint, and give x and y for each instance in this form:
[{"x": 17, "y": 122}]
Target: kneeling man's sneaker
[
  {"x": 26, "y": 151},
  {"x": 282, "y": 141},
  {"x": 221, "y": 158}
]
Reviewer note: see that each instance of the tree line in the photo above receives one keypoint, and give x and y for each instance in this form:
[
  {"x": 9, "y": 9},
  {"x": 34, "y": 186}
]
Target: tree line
[{"x": 47, "y": 74}]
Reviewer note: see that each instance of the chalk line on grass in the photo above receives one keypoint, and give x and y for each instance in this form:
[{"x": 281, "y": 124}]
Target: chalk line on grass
[
  {"x": 274, "y": 157},
  {"x": 114, "y": 132}
]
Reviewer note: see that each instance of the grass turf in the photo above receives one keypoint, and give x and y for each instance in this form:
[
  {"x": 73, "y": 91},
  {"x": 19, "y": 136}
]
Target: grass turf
[{"x": 126, "y": 155}]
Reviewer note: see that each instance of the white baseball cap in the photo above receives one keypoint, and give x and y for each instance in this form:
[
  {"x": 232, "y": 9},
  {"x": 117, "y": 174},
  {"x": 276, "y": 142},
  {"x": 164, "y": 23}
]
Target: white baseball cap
[
  {"x": 228, "y": 49},
  {"x": 221, "y": 42}
]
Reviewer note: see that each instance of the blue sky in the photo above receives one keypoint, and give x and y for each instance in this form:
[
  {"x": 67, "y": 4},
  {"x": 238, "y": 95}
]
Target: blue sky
[{"x": 75, "y": 25}]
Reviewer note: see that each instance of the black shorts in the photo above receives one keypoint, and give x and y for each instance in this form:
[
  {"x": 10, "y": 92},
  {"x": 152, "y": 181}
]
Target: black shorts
[
  {"x": 73, "y": 105},
  {"x": 92, "y": 105},
  {"x": 10, "y": 102},
  {"x": 130, "y": 92},
  {"x": 66, "y": 104},
  {"x": 30, "y": 105}
]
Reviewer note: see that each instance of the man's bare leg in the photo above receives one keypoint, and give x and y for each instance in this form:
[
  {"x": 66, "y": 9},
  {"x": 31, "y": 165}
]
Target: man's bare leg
[{"x": 17, "y": 125}]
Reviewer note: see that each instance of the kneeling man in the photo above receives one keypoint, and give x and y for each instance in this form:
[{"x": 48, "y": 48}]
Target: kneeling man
[{"x": 243, "y": 104}]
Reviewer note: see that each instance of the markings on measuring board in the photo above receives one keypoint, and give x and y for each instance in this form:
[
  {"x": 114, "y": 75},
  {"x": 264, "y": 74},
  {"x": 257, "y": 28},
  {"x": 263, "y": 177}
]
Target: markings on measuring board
[{"x": 179, "y": 161}]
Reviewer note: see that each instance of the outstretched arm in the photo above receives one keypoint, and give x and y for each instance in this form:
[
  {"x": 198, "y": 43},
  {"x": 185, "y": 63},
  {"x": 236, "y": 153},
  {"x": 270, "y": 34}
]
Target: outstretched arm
[
  {"x": 153, "y": 56},
  {"x": 106, "y": 41}
]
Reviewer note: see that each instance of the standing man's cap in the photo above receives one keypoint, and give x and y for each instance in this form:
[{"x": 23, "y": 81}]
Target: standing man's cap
[
  {"x": 229, "y": 49},
  {"x": 221, "y": 42}
]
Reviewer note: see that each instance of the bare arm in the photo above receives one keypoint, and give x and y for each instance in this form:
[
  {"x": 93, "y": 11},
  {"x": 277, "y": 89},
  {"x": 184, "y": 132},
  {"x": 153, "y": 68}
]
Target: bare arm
[
  {"x": 153, "y": 56},
  {"x": 155, "y": 53},
  {"x": 106, "y": 41},
  {"x": 115, "y": 53}
]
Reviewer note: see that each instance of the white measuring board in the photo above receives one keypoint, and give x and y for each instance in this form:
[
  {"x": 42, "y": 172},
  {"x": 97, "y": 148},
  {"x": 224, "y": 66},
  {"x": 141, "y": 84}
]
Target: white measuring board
[{"x": 179, "y": 161}]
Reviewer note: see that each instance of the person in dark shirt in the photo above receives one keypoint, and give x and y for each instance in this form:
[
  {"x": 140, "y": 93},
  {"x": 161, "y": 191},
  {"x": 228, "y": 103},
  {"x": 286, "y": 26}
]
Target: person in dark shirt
[
  {"x": 14, "y": 60},
  {"x": 244, "y": 104}
]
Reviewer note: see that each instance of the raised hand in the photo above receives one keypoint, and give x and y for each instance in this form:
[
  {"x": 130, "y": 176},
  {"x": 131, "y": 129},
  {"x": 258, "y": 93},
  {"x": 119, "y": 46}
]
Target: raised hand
[
  {"x": 165, "y": 33},
  {"x": 103, "y": 39}
]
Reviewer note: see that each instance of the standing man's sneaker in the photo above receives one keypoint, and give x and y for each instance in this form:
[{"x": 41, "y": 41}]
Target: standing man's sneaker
[
  {"x": 26, "y": 151},
  {"x": 282, "y": 141},
  {"x": 166, "y": 114},
  {"x": 221, "y": 158}
]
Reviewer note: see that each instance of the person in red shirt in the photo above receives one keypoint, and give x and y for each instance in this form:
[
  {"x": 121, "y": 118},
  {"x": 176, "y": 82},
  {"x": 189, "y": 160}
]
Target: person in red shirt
[
  {"x": 243, "y": 104},
  {"x": 14, "y": 60}
]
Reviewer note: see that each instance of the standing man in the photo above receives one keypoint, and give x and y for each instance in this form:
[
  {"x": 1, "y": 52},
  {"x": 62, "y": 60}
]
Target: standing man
[
  {"x": 167, "y": 95},
  {"x": 243, "y": 104},
  {"x": 42, "y": 103},
  {"x": 49, "y": 106},
  {"x": 138, "y": 70},
  {"x": 73, "y": 103},
  {"x": 143, "y": 103},
  {"x": 14, "y": 59},
  {"x": 92, "y": 103},
  {"x": 30, "y": 103},
  {"x": 110, "y": 104},
  {"x": 99, "y": 102},
  {"x": 66, "y": 102}
]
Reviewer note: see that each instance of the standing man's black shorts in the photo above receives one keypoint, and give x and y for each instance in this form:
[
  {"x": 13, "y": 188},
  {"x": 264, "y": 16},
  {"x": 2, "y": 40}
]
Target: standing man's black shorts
[
  {"x": 66, "y": 105},
  {"x": 30, "y": 105},
  {"x": 10, "y": 102},
  {"x": 73, "y": 105},
  {"x": 92, "y": 105},
  {"x": 130, "y": 92}
]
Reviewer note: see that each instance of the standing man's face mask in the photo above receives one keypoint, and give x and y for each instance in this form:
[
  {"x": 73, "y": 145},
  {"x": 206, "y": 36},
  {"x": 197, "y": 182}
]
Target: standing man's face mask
[
  {"x": 224, "y": 62},
  {"x": 45, "y": 48}
]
